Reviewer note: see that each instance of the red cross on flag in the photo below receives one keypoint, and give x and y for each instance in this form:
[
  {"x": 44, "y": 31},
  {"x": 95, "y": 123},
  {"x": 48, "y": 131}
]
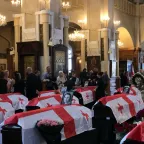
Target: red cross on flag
[
  {"x": 120, "y": 108},
  {"x": 76, "y": 119},
  {"x": 123, "y": 106},
  {"x": 85, "y": 115},
  {"x": 49, "y": 105}
]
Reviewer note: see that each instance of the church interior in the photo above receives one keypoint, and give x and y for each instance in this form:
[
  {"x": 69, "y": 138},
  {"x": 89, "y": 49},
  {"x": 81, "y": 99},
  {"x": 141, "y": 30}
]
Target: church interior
[{"x": 74, "y": 68}]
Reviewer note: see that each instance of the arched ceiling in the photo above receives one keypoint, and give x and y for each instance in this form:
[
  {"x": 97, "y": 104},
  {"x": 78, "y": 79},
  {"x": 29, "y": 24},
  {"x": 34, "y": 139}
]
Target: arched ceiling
[
  {"x": 125, "y": 38},
  {"x": 8, "y": 10}
]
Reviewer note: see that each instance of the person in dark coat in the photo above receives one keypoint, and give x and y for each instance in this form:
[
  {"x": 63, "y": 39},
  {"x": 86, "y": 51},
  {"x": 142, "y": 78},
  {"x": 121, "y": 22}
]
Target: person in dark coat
[
  {"x": 37, "y": 73},
  {"x": 83, "y": 76},
  {"x": 31, "y": 84},
  {"x": 3, "y": 84},
  {"x": 124, "y": 79},
  {"x": 100, "y": 89},
  {"x": 19, "y": 86}
]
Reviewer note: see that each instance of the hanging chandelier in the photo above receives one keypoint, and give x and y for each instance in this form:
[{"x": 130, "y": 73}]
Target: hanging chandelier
[
  {"x": 66, "y": 5},
  {"x": 76, "y": 36},
  {"x": 2, "y": 20},
  {"x": 16, "y": 2},
  {"x": 120, "y": 44}
]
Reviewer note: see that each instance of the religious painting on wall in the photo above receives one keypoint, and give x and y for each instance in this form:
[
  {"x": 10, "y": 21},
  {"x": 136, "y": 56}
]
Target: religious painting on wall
[
  {"x": 2, "y": 67},
  {"x": 93, "y": 62},
  {"x": 59, "y": 61}
]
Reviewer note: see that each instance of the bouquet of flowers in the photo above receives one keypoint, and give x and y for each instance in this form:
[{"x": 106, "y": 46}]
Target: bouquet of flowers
[{"x": 50, "y": 130}]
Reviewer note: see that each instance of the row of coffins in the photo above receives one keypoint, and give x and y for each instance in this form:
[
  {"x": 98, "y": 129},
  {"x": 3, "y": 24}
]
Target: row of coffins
[
  {"x": 15, "y": 102},
  {"x": 46, "y": 99},
  {"x": 75, "y": 120}
]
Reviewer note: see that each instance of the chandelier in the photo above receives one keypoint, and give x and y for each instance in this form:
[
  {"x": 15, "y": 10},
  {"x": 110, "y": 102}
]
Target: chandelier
[
  {"x": 2, "y": 20},
  {"x": 117, "y": 23},
  {"x": 76, "y": 36},
  {"x": 120, "y": 44},
  {"x": 66, "y": 5},
  {"x": 16, "y": 2}
]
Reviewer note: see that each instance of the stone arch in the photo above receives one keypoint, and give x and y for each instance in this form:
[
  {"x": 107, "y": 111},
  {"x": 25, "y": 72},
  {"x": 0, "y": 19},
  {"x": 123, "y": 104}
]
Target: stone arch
[
  {"x": 126, "y": 38},
  {"x": 127, "y": 21},
  {"x": 73, "y": 26}
]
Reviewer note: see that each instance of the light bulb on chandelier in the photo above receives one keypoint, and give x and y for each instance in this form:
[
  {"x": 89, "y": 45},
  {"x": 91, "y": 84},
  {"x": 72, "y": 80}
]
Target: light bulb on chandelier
[
  {"x": 16, "y": 2},
  {"x": 2, "y": 20},
  {"x": 120, "y": 44},
  {"x": 76, "y": 36},
  {"x": 66, "y": 5}
]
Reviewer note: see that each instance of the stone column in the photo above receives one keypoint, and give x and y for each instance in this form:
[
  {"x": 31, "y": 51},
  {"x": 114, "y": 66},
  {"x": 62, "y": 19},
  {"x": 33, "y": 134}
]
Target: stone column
[
  {"x": 17, "y": 39},
  {"x": 117, "y": 52},
  {"x": 106, "y": 44},
  {"x": 66, "y": 26},
  {"x": 45, "y": 21},
  {"x": 82, "y": 54},
  {"x": 105, "y": 62}
]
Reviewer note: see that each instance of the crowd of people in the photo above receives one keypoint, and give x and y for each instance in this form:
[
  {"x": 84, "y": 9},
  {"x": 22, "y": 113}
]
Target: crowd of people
[{"x": 32, "y": 85}]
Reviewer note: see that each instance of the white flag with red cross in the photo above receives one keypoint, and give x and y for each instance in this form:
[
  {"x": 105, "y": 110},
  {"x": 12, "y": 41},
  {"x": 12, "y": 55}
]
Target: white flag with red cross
[
  {"x": 6, "y": 110},
  {"x": 18, "y": 100},
  {"x": 76, "y": 119},
  {"x": 49, "y": 101},
  {"x": 87, "y": 96},
  {"x": 47, "y": 93},
  {"x": 123, "y": 106}
]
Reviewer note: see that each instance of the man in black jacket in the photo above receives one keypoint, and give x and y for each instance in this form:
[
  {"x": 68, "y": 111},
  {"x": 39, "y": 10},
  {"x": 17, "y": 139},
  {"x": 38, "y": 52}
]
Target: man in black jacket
[{"x": 31, "y": 84}]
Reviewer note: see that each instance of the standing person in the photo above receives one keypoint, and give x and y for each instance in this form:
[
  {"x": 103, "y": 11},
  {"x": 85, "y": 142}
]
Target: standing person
[
  {"x": 47, "y": 74},
  {"x": 83, "y": 76},
  {"x": 124, "y": 79},
  {"x": 94, "y": 74},
  {"x": 19, "y": 86},
  {"x": 74, "y": 79},
  {"x": 10, "y": 82},
  {"x": 106, "y": 79},
  {"x": 100, "y": 89},
  {"x": 31, "y": 84},
  {"x": 47, "y": 77},
  {"x": 37, "y": 73},
  {"x": 3, "y": 84}
]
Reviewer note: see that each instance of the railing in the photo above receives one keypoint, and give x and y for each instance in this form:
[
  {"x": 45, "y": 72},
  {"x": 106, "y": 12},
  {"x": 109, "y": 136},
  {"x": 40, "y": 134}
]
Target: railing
[{"x": 125, "y": 6}]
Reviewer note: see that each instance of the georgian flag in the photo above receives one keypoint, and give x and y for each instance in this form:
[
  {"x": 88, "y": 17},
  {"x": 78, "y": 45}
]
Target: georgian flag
[
  {"x": 18, "y": 100},
  {"x": 49, "y": 101},
  {"x": 136, "y": 136},
  {"x": 123, "y": 106},
  {"x": 47, "y": 93},
  {"x": 76, "y": 119},
  {"x": 87, "y": 96},
  {"x": 6, "y": 110}
]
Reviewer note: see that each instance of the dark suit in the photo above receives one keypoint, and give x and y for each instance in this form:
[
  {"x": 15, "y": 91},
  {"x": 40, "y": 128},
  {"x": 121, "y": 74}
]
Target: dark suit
[
  {"x": 100, "y": 91},
  {"x": 31, "y": 86}
]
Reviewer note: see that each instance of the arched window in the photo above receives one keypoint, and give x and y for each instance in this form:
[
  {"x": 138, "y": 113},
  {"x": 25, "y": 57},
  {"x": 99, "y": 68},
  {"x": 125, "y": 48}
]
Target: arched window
[{"x": 70, "y": 55}]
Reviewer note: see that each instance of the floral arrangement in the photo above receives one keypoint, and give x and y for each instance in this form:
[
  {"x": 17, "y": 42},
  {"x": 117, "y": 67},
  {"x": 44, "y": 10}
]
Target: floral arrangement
[
  {"x": 50, "y": 130},
  {"x": 46, "y": 122}
]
